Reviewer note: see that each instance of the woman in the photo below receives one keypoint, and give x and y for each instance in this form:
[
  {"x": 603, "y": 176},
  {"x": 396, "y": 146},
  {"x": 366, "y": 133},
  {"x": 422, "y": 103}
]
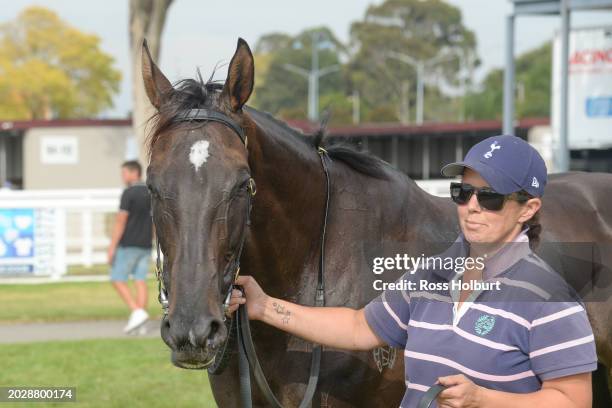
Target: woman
[{"x": 501, "y": 346}]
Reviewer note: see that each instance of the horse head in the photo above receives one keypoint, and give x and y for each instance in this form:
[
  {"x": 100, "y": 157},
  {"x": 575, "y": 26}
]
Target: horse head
[{"x": 199, "y": 179}]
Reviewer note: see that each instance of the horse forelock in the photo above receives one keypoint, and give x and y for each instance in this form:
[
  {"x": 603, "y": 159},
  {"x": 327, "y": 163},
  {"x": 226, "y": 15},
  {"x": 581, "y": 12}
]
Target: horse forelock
[{"x": 187, "y": 94}]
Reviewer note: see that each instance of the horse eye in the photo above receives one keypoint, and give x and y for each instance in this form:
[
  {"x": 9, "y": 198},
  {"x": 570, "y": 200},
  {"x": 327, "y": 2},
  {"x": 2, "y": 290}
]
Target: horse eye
[{"x": 154, "y": 193}]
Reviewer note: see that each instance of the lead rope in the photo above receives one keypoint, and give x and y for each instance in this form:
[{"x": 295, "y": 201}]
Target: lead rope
[
  {"x": 432, "y": 393},
  {"x": 245, "y": 342}
]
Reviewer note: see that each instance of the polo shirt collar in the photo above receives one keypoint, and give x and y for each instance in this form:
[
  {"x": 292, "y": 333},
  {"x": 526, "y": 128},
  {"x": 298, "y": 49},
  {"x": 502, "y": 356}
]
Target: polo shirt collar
[
  {"x": 509, "y": 254},
  {"x": 504, "y": 258}
]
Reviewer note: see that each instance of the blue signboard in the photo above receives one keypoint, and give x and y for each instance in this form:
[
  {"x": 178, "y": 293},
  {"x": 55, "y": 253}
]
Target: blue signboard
[
  {"x": 599, "y": 107},
  {"x": 17, "y": 249}
]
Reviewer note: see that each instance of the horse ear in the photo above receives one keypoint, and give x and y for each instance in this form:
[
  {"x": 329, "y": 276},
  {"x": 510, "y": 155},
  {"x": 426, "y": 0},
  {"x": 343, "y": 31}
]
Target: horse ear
[
  {"x": 155, "y": 82},
  {"x": 240, "y": 76}
]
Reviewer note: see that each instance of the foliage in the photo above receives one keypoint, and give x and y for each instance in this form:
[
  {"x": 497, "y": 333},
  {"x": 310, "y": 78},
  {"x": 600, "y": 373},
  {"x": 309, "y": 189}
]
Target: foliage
[
  {"x": 420, "y": 30},
  {"x": 533, "y": 78},
  {"x": 284, "y": 92},
  {"x": 49, "y": 69}
]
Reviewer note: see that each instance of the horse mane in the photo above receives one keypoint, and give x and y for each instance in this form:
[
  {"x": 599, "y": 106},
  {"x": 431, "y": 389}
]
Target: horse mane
[
  {"x": 195, "y": 94},
  {"x": 361, "y": 162}
]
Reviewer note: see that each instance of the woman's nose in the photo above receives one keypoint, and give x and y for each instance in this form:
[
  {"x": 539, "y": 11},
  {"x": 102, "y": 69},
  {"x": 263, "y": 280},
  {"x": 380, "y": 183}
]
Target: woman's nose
[{"x": 473, "y": 205}]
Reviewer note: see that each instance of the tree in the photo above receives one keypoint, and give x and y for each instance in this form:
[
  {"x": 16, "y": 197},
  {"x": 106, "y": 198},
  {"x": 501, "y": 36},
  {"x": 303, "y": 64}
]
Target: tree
[
  {"x": 283, "y": 92},
  {"x": 533, "y": 77},
  {"x": 266, "y": 48},
  {"x": 49, "y": 69},
  {"x": 147, "y": 19},
  {"x": 421, "y": 30}
]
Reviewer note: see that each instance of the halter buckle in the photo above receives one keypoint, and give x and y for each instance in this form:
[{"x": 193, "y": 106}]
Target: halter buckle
[
  {"x": 251, "y": 186},
  {"x": 163, "y": 300}
]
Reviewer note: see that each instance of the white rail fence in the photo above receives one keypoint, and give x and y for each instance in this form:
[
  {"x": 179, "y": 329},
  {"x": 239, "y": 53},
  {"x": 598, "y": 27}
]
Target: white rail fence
[
  {"x": 74, "y": 222},
  {"x": 78, "y": 224}
]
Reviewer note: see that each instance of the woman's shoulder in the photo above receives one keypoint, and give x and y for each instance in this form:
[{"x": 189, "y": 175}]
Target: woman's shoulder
[{"x": 548, "y": 284}]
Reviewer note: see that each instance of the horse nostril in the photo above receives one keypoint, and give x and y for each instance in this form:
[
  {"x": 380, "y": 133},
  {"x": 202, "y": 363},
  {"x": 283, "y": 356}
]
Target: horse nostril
[
  {"x": 215, "y": 334},
  {"x": 165, "y": 333},
  {"x": 215, "y": 325},
  {"x": 205, "y": 333}
]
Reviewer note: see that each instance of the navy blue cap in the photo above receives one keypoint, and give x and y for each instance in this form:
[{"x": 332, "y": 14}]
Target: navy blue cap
[{"x": 507, "y": 163}]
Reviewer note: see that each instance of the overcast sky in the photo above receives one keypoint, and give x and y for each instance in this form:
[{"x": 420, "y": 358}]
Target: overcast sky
[{"x": 202, "y": 33}]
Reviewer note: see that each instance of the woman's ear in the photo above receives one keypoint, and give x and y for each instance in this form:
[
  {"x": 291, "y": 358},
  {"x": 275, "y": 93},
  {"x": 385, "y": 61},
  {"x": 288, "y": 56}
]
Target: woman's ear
[{"x": 529, "y": 209}]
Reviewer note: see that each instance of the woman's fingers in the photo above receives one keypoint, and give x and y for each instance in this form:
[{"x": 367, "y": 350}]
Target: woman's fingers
[
  {"x": 234, "y": 304},
  {"x": 237, "y": 301}
]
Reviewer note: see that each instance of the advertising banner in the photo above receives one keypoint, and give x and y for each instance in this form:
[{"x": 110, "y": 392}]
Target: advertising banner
[
  {"x": 589, "y": 87},
  {"x": 26, "y": 241}
]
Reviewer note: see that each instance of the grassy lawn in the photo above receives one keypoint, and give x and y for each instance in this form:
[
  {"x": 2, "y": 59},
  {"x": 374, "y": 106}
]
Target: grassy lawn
[
  {"x": 99, "y": 269},
  {"x": 106, "y": 373},
  {"x": 67, "y": 302}
]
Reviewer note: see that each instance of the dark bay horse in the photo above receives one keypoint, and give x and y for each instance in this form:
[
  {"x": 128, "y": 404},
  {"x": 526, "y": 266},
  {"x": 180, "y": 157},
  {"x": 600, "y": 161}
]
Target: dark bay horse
[{"x": 197, "y": 175}]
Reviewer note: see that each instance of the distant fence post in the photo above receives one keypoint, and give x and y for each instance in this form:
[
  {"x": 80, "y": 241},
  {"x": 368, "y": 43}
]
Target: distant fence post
[
  {"x": 87, "y": 236},
  {"x": 60, "y": 267}
]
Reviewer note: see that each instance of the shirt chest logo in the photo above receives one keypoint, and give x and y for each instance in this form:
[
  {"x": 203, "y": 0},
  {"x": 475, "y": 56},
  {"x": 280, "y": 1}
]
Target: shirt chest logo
[{"x": 484, "y": 325}]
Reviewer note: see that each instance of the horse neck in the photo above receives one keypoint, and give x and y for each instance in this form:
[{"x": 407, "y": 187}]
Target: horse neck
[{"x": 287, "y": 210}]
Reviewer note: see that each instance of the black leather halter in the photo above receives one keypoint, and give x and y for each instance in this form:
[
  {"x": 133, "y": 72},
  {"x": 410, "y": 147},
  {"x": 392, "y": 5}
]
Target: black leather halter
[
  {"x": 247, "y": 354},
  {"x": 210, "y": 115}
]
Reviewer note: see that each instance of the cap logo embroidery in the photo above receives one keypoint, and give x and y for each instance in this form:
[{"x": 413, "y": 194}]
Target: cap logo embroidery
[
  {"x": 494, "y": 146},
  {"x": 535, "y": 183}
]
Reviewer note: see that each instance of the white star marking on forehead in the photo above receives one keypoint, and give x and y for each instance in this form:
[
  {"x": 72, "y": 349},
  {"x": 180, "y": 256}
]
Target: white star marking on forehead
[{"x": 199, "y": 153}]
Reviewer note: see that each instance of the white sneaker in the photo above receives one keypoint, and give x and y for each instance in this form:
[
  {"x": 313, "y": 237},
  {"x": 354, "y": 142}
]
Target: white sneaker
[{"x": 137, "y": 319}]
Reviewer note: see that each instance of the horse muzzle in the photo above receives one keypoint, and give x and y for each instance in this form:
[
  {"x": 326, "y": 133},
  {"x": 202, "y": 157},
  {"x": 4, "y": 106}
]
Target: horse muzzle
[{"x": 193, "y": 346}]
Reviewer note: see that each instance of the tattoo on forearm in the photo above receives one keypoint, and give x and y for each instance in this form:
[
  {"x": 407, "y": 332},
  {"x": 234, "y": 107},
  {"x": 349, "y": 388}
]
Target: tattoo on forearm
[{"x": 280, "y": 309}]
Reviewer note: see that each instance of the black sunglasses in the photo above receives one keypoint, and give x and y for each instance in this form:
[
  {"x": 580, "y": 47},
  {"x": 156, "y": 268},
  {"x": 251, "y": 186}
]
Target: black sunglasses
[{"x": 487, "y": 197}]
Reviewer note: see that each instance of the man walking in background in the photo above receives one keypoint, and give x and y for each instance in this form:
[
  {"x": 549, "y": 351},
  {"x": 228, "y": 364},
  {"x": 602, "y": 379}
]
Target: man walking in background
[{"x": 129, "y": 252}]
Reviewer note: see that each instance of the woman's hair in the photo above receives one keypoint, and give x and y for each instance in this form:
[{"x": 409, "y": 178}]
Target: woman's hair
[{"x": 535, "y": 228}]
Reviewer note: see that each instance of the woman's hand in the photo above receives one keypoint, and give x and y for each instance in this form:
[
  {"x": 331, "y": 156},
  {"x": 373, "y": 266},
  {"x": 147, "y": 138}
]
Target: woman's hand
[
  {"x": 462, "y": 392},
  {"x": 254, "y": 297}
]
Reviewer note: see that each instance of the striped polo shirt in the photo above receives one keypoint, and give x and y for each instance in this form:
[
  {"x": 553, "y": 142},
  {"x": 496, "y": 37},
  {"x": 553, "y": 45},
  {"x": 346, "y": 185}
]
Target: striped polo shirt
[{"x": 530, "y": 328}]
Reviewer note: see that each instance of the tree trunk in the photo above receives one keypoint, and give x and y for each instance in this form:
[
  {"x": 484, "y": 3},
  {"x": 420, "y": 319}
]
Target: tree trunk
[{"x": 147, "y": 18}]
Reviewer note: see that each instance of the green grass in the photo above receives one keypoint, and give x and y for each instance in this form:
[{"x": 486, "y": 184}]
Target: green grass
[
  {"x": 99, "y": 269},
  {"x": 67, "y": 301},
  {"x": 106, "y": 373}
]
